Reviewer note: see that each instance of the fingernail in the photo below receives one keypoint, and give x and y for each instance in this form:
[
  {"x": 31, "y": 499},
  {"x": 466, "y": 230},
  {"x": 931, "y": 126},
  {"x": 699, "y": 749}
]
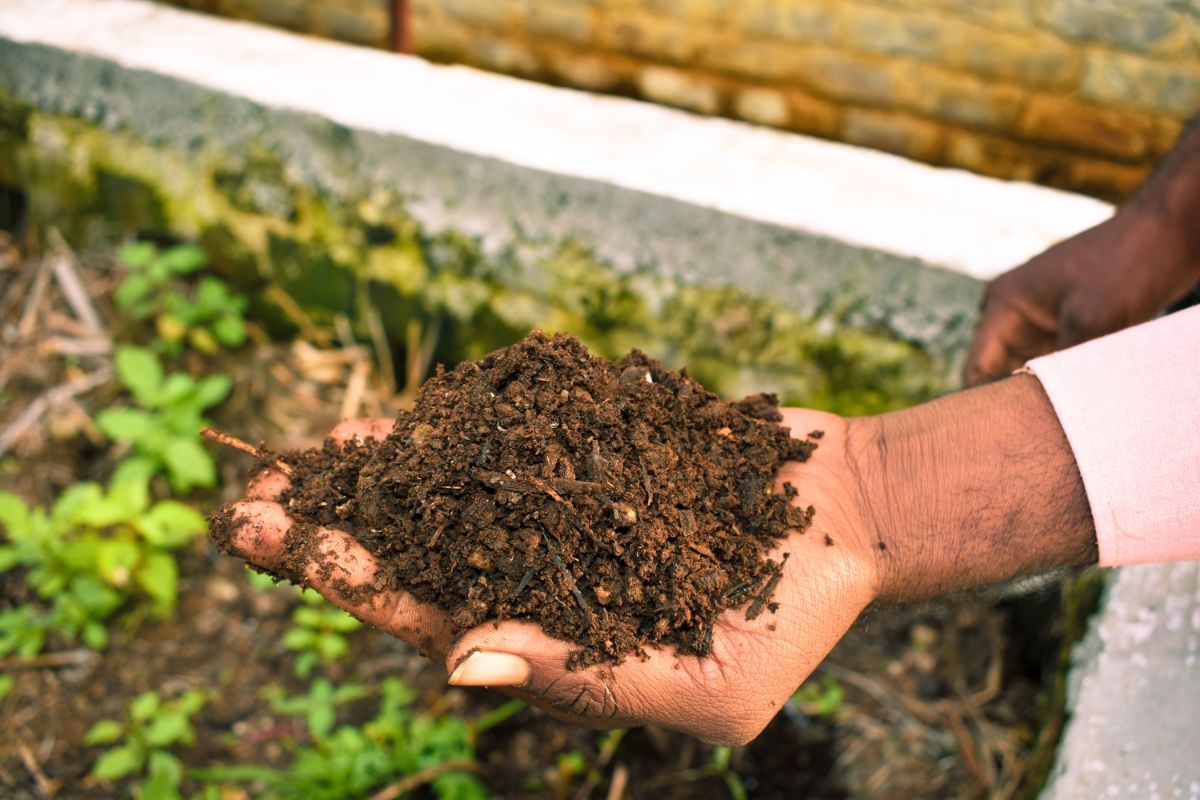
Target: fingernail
[{"x": 491, "y": 669}]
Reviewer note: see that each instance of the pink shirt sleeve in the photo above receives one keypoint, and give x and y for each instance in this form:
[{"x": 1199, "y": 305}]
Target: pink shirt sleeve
[{"x": 1130, "y": 406}]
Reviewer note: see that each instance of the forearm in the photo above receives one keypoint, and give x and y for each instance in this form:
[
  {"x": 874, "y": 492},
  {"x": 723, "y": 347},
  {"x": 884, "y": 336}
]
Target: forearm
[
  {"x": 972, "y": 489},
  {"x": 1172, "y": 194}
]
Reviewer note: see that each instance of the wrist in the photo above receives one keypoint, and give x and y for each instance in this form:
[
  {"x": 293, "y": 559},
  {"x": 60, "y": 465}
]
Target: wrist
[{"x": 972, "y": 489}]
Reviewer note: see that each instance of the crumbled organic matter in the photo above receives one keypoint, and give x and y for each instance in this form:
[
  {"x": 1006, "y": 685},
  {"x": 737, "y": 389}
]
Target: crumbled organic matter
[{"x": 618, "y": 505}]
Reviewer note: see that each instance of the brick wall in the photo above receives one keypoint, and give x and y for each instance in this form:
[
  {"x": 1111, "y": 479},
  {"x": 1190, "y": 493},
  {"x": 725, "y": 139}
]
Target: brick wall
[{"x": 1082, "y": 94}]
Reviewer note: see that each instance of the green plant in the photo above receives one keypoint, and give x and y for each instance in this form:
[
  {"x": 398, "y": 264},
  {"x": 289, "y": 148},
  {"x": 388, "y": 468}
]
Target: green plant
[
  {"x": 165, "y": 428},
  {"x": 151, "y": 729},
  {"x": 205, "y": 316},
  {"x": 349, "y": 761},
  {"x": 317, "y": 632},
  {"x": 821, "y": 697},
  {"x": 90, "y": 552}
]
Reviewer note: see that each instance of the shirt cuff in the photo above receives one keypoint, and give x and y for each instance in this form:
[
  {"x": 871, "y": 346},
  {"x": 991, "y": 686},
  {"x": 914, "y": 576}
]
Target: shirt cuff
[{"x": 1129, "y": 404}]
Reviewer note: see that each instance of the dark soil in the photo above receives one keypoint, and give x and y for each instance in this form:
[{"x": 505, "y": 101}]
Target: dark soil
[{"x": 618, "y": 505}]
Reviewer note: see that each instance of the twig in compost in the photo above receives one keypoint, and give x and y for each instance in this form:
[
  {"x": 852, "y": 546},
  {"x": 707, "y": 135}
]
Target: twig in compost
[
  {"x": 424, "y": 776},
  {"x": 73, "y": 289},
  {"x": 248, "y": 449},
  {"x": 64, "y": 658},
  {"x": 760, "y": 602},
  {"x": 48, "y": 399}
]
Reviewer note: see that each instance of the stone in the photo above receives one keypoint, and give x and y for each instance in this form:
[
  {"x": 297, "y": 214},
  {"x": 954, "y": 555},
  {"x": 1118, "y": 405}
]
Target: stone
[
  {"x": 1120, "y": 79},
  {"x": 1103, "y": 178},
  {"x": 570, "y": 23},
  {"x": 367, "y": 27},
  {"x": 595, "y": 73},
  {"x": 1032, "y": 59},
  {"x": 893, "y": 132},
  {"x": 810, "y": 114},
  {"x": 962, "y": 99},
  {"x": 842, "y": 76},
  {"x": 764, "y": 106},
  {"x": 1138, "y": 25},
  {"x": 916, "y": 34},
  {"x": 1065, "y": 121},
  {"x": 633, "y": 32},
  {"x": 492, "y": 14},
  {"x": 755, "y": 61},
  {"x": 503, "y": 56},
  {"x": 678, "y": 88},
  {"x": 800, "y": 21}
]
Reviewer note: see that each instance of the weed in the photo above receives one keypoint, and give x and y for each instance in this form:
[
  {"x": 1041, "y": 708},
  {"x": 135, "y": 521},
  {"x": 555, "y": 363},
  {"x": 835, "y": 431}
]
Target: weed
[
  {"x": 350, "y": 761},
  {"x": 819, "y": 697},
  {"x": 95, "y": 548},
  {"x": 317, "y": 633},
  {"x": 164, "y": 429},
  {"x": 151, "y": 729},
  {"x": 206, "y": 316}
]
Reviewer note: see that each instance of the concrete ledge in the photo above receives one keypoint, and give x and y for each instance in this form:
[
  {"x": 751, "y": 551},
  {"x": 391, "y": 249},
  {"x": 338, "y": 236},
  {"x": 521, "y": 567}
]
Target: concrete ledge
[{"x": 1134, "y": 694}]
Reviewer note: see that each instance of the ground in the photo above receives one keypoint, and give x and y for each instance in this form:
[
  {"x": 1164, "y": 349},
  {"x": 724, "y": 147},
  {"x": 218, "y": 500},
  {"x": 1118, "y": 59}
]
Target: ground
[{"x": 952, "y": 699}]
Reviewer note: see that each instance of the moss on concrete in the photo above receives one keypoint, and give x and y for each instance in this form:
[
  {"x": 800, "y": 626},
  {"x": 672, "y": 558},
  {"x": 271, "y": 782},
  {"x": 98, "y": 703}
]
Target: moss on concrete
[{"x": 359, "y": 255}]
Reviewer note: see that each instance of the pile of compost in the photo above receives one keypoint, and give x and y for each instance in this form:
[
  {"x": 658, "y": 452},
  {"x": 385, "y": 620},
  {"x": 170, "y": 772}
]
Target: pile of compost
[{"x": 618, "y": 505}]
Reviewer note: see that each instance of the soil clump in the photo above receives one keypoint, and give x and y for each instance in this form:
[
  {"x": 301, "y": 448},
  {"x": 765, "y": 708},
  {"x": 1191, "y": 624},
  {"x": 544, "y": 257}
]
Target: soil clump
[{"x": 618, "y": 505}]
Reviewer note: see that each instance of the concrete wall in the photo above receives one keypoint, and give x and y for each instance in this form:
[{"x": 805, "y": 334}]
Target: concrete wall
[{"x": 1081, "y": 94}]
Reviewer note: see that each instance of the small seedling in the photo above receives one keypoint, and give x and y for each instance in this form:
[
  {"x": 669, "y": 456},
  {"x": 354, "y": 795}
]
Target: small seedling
[
  {"x": 396, "y": 747},
  {"x": 206, "y": 316},
  {"x": 820, "y": 697},
  {"x": 144, "y": 742},
  {"x": 317, "y": 633},
  {"x": 94, "y": 549},
  {"x": 164, "y": 428}
]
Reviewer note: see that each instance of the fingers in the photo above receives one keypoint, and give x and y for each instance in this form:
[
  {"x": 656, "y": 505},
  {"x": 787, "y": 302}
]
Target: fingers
[
  {"x": 705, "y": 697},
  {"x": 362, "y": 429},
  {"x": 338, "y": 567},
  {"x": 266, "y": 484}
]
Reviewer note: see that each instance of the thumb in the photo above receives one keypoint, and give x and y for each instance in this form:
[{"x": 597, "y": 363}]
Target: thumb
[{"x": 519, "y": 655}]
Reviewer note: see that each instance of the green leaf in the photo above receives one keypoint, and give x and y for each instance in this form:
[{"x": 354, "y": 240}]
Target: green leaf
[
  {"x": 75, "y": 500},
  {"x": 299, "y": 638},
  {"x": 170, "y": 524},
  {"x": 168, "y": 727},
  {"x": 14, "y": 516},
  {"x": 165, "y": 775},
  {"x": 191, "y": 701},
  {"x": 124, "y": 424},
  {"x": 183, "y": 259},
  {"x": 143, "y": 706},
  {"x": 308, "y": 617},
  {"x": 140, "y": 373},
  {"x": 132, "y": 291},
  {"x": 230, "y": 330},
  {"x": 6, "y": 685},
  {"x": 305, "y": 662},
  {"x": 189, "y": 464},
  {"x": 332, "y": 646},
  {"x": 343, "y": 622},
  {"x": 9, "y": 558},
  {"x": 94, "y": 597},
  {"x": 212, "y": 390},
  {"x": 95, "y": 636},
  {"x": 117, "y": 763},
  {"x": 177, "y": 387},
  {"x": 159, "y": 577},
  {"x": 105, "y": 731},
  {"x": 115, "y": 560},
  {"x": 137, "y": 255}
]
